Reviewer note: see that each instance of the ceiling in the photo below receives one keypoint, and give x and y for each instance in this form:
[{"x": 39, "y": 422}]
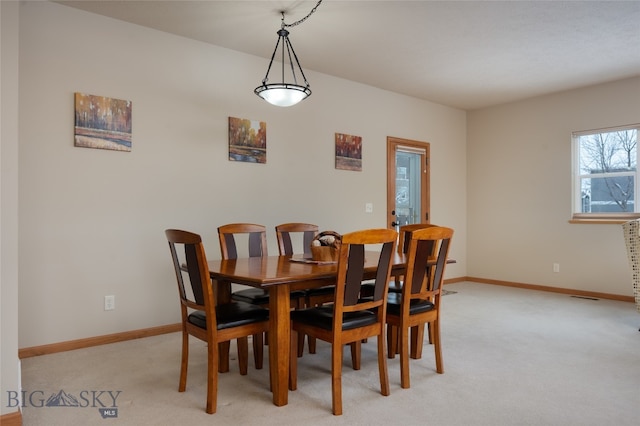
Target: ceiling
[{"x": 464, "y": 54}]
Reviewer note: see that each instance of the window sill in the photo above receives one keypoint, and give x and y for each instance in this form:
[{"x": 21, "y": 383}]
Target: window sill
[{"x": 599, "y": 221}]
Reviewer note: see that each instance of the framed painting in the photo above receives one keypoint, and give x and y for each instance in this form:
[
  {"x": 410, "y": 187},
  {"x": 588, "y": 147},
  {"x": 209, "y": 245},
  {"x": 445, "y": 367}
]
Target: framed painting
[
  {"x": 348, "y": 152},
  {"x": 102, "y": 123},
  {"x": 247, "y": 140}
]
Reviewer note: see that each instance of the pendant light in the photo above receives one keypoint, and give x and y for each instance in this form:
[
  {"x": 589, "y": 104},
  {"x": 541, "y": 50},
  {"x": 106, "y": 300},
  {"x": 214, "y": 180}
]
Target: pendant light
[{"x": 286, "y": 94}]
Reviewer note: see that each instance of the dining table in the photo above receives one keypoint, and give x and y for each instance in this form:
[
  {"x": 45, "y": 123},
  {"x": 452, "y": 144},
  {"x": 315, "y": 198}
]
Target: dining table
[{"x": 279, "y": 275}]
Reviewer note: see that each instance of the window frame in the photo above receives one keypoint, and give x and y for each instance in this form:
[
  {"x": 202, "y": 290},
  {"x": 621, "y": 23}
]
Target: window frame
[{"x": 577, "y": 216}]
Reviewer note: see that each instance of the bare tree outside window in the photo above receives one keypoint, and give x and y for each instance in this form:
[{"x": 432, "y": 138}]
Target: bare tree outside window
[{"x": 608, "y": 163}]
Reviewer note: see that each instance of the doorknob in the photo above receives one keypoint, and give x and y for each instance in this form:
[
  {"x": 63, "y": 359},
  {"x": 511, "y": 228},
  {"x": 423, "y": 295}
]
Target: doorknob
[{"x": 394, "y": 224}]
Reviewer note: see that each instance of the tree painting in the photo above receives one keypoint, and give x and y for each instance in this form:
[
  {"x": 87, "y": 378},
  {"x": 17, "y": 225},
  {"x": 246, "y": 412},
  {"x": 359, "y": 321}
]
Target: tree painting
[
  {"x": 247, "y": 140},
  {"x": 103, "y": 123},
  {"x": 348, "y": 152}
]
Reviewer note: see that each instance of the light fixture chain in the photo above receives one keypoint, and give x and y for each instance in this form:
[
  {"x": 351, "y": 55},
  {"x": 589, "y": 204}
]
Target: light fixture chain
[{"x": 301, "y": 20}]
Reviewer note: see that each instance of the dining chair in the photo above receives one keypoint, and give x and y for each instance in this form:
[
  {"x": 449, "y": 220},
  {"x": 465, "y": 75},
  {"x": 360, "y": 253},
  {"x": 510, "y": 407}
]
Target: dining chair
[
  {"x": 256, "y": 236},
  {"x": 257, "y": 245},
  {"x": 350, "y": 319},
  {"x": 395, "y": 286},
  {"x": 404, "y": 236},
  {"x": 204, "y": 320},
  {"x": 419, "y": 301},
  {"x": 306, "y": 232}
]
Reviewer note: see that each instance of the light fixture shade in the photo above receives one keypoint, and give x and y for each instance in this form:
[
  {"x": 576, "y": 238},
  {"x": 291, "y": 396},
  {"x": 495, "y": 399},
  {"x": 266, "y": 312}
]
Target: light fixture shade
[{"x": 282, "y": 95}]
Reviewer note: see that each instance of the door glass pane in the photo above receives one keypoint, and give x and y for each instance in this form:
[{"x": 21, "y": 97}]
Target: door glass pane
[{"x": 408, "y": 173}]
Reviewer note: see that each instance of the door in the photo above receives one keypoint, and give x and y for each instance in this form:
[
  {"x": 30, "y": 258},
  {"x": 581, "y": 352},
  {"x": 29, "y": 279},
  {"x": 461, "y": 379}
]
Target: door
[{"x": 407, "y": 182}]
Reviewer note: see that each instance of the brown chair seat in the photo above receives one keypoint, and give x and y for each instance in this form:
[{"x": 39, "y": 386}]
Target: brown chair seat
[
  {"x": 322, "y": 317},
  {"x": 416, "y": 306},
  {"x": 231, "y": 315},
  {"x": 320, "y": 291},
  {"x": 257, "y": 296}
]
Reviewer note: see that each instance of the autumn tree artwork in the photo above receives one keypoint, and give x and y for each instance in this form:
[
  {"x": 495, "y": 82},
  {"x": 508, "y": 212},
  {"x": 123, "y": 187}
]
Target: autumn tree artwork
[
  {"x": 348, "y": 152},
  {"x": 102, "y": 123},
  {"x": 247, "y": 140}
]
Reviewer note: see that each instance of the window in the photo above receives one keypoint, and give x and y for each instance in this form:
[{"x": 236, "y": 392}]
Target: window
[{"x": 606, "y": 174}]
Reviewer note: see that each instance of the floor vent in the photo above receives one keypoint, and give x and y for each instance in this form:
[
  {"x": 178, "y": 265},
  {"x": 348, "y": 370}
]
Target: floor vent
[{"x": 585, "y": 297}]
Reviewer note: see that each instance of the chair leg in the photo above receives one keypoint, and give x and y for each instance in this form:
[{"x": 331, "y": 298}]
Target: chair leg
[
  {"x": 392, "y": 341},
  {"x": 300, "y": 346},
  {"x": 336, "y": 378},
  {"x": 258, "y": 350},
  {"x": 293, "y": 361},
  {"x": 356, "y": 354},
  {"x": 243, "y": 354},
  {"x": 311, "y": 341},
  {"x": 212, "y": 377},
  {"x": 417, "y": 340},
  {"x": 184, "y": 363},
  {"x": 382, "y": 366},
  {"x": 223, "y": 355},
  {"x": 404, "y": 358},
  {"x": 436, "y": 345}
]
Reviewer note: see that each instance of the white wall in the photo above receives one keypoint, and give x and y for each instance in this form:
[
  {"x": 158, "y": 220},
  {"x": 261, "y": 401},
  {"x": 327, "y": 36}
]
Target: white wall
[
  {"x": 519, "y": 168},
  {"x": 92, "y": 221},
  {"x": 9, "y": 362}
]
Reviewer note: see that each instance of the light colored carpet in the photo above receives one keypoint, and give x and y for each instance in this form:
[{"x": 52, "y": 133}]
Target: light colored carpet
[{"x": 511, "y": 357}]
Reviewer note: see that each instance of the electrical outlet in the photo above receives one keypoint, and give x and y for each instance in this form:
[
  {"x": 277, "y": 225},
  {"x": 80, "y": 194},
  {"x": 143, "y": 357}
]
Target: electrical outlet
[
  {"x": 556, "y": 267},
  {"x": 368, "y": 208},
  {"x": 109, "y": 303}
]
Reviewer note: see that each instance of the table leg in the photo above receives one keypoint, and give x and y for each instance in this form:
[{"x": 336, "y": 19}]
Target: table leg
[{"x": 279, "y": 342}]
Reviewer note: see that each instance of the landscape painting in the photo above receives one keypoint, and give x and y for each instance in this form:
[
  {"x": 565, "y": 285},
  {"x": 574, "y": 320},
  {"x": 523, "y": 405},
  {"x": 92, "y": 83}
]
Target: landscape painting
[
  {"x": 247, "y": 140},
  {"x": 348, "y": 152},
  {"x": 102, "y": 123}
]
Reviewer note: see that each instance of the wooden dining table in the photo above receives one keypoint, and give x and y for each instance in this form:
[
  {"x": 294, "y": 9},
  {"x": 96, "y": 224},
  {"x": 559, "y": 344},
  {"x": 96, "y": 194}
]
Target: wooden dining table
[{"x": 279, "y": 275}]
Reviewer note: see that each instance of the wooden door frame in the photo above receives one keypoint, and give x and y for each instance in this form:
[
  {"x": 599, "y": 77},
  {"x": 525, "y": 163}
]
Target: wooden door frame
[{"x": 425, "y": 205}]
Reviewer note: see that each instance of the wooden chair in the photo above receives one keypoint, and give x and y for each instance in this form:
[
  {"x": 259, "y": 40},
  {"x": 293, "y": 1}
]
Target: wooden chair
[
  {"x": 257, "y": 240},
  {"x": 349, "y": 319},
  {"x": 308, "y": 232},
  {"x": 404, "y": 236},
  {"x": 204, "y": 320},
  {"x": 257, "y": 246},
  {"x": 395, "y": 286},
  {"x": 419, "y": 301},
  {"x": 285, "y": 243}
]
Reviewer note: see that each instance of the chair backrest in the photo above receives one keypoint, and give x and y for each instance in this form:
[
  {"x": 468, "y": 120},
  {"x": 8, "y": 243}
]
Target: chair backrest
[
  {"x": 426, "y": 262},
  {"x": 351, "y": 270},
  {"x": 257, "y": 239},
  {"x": 283, "y": 234},
  {"x": 187, "y": 249},
  {"x": 405, "y": 235}
]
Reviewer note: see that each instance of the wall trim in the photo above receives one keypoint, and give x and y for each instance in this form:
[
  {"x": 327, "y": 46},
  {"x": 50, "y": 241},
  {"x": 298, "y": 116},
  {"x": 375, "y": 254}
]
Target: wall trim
[
  {"x": 96, "y": 341},
  {"x": 11, "y": 419},
  {"x": 561, "y": 290},
  {"x": 171, "y": 328}
]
